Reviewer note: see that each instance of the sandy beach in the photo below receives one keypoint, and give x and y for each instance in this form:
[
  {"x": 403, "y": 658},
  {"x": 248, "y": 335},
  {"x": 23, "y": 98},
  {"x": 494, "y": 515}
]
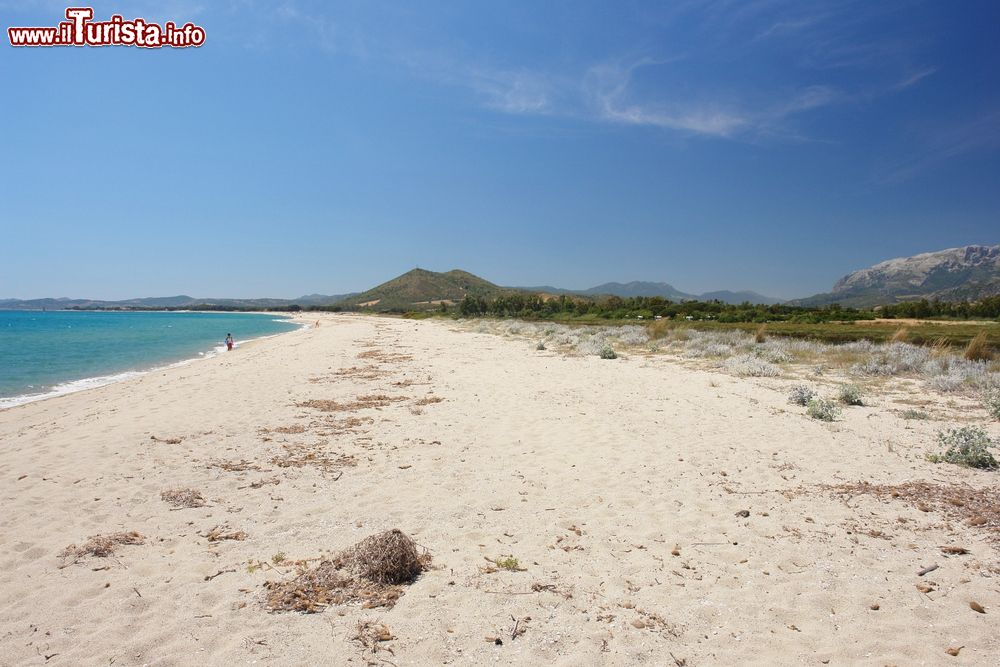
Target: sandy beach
[{"x": 659, "y": 513}]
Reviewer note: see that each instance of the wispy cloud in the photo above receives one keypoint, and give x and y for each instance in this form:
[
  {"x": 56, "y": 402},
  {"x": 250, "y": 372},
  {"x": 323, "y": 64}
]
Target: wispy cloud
[
  {"x": 913, "y": 79},
  {"x": 608, "y": 88},
  {"x": 787, "y": 26},
  {"x": 514, "y": 92},
  {"x": 974, "y": 136}
]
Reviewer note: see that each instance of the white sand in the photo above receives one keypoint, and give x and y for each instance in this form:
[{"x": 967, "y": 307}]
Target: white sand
[{"x": 588, "y": 471}]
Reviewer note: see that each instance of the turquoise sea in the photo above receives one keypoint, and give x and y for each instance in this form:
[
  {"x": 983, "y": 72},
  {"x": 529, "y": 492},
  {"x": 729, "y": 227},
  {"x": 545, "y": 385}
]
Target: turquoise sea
[{"x": 47, "y": 352}]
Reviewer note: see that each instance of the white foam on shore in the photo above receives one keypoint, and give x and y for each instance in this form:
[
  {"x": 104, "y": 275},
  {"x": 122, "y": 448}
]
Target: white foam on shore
[{"x": 104, "y": 380}]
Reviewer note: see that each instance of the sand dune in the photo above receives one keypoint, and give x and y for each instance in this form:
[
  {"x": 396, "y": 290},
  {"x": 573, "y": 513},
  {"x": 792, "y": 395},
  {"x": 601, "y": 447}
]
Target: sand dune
[{"x": 659, "y": 514}]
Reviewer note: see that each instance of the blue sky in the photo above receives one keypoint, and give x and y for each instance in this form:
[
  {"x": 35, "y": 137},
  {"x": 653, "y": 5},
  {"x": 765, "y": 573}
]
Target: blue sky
[{"x": 329, "y": 146}]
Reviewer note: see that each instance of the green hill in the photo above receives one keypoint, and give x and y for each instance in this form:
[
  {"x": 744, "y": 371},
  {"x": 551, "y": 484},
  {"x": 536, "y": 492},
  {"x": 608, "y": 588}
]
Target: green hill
[{"x": 420, "y": 289}]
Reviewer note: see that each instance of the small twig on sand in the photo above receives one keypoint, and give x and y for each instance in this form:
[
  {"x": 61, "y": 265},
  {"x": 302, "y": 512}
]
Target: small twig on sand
[
  {"x": 926, "y": 570},
  {"x": 137, "y": 591},
  {"x": 209, "y": 577},
  {"x": 513, "y": 633}
]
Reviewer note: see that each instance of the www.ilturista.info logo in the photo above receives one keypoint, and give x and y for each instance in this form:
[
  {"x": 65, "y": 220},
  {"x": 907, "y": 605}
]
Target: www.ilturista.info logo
[{"x": 81, "y": 30}]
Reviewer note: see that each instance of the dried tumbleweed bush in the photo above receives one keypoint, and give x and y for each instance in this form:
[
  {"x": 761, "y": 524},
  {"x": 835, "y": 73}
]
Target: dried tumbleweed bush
[
  {"x": 387, "y": 558},
  {"x": 975, "y": 507},
  {"x": 369, "y": 573},
  {"x": 360, "y": 403},
  {"x": 100, "y": 546},
  {"x": 183, "y": 498}
]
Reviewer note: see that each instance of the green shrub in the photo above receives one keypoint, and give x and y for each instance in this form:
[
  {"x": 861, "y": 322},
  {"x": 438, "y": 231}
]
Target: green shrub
[
  {"x": 607, "y": 352},
  {"x": 850, "y": 394},
  {"x": 509, "y": 563},
  {"x": 991, "y": 401},
  {"x": 966, "y": 446},
  {"x": 822, "y": 409},
  {"x": 915, "y": 414},
  {"x": 540, "y": 346},
  {"x": 801, "y": 395}
]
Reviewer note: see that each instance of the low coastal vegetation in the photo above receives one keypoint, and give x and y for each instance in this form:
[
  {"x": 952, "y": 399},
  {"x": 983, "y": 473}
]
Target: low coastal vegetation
[
  {"x": 823, "y": 409},
  {"x": 966, "y": 446},
  {"x": 738, "y": 352},
  {"x": 848, "y": 374}
]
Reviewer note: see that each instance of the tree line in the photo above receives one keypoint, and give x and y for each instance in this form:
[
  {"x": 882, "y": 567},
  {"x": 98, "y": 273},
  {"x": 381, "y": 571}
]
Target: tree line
[{"x": 532, "y": 306}]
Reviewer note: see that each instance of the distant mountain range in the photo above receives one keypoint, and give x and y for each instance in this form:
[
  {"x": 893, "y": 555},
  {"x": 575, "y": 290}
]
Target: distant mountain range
[
  {"x": 665, "y": 290},
  {"x": 956, "y": 274},
  {"x": 967, "y": 273}
]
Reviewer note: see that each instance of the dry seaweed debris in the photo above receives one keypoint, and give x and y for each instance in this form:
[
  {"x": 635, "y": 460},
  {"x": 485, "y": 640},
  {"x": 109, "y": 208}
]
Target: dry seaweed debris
[
  {"x": 294, "y": 428},
  {"x": 975, "y": 507},
  {"x": 360, "y": 403},
  {"x": 300, "y": 455},
  {"x": 100, "y": 546},
  {"x": 428, "y": 400},
  {"x": 221, "y": 533},
  {"x": 183, "y": 498},
  {"x": 234, "y": 466},
  {"x": 362, "y": 372},
  {"x": 167, "y": 441},
  {"x": 370, "y": 573},
  {"x": 370, "y": 634},
  {"x": 382, "y": 356},
  {"x": 346, "y": 425}
]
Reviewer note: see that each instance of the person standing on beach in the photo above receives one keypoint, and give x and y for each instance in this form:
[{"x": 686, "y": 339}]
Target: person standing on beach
[{"x": 229, "y": 341}]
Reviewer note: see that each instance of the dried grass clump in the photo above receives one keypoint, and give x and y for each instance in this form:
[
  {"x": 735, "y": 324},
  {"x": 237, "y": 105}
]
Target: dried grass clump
[
  {"x": 979, "y": 348},
  {"x": 370, "y": 573},
  {"x": 100, "y": 546},
  {"x": 760, "y": 336},
  {"x": 183, "y": 497},
  {"x": 974, "y": 507},
  {"x": 902, "y": 333}
]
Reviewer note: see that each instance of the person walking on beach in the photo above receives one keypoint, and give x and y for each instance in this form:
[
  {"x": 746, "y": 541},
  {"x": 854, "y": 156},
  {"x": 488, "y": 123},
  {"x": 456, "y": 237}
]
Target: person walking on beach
[{"x": 229, "y": 341}]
